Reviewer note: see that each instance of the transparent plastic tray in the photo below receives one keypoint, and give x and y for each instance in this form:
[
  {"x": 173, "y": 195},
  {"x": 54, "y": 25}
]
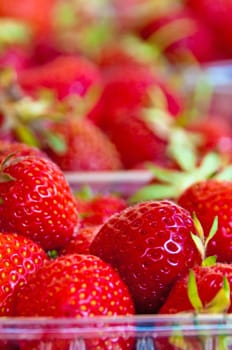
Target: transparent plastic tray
[
  {"x": 182, "y": 331},
  {"x": 123, "y": 182}
]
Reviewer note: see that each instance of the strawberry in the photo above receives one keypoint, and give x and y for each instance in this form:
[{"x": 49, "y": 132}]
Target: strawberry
[
  {"x": 182, "y": 37},
  {"x": 77, "y": 286},
  {"x": 38, "y": 14},
  {"x": 20, "y": 257},
  {"x": 97, "y": 208},
  {"x": 151, "y": 246},
  {"x": 65, "y": 75},
  {"x": 203, "y": 290},
  {"x": 178, "y": 299},
  {"x": 85, "y": 146},
  {"x": 37, "y": 202},
  {"x": 81, "y": 243},
  {"x": 208, "y": 199}
]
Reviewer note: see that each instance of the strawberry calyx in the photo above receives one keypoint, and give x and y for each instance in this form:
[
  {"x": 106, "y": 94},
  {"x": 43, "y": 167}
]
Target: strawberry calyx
[
  {"x": 201, "y": 242},
  {"x": 171, "y": 183}
]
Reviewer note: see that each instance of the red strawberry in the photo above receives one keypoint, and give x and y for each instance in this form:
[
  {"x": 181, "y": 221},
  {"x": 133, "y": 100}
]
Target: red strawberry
[
  {"x": 209, "y": 280},
  {"x": 97, "y": 209},
  {"x": 208, "y": 199},
  {"x": 182, "y": 36},
  {"x": 211, "y": 296},
  {"x": 20, "y": 257},
  {"x": 37, "y": 13},
  {"x": 37, "y": 202},
  {"x": 81, "y": 243},
  {"x": 151, "y": 246},
  {"x": 77, "y": 286},
  {"x": 85, "y": 146},
  {"x": 65, "y": 75}
]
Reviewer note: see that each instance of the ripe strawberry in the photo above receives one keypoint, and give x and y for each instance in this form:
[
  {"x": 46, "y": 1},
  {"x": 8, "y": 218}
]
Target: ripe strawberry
[
  {"x": 77, "y": 286},
  {"x": 37, "y": 13},
  {"x": 208, "y": 293},
  {"x": 81, "y": 243},
  {"x": 182, "y": 36},
  {"x": 65, "y": 75},
  {"x": 85, "y": 146},
  {"x": 208, "y": 199},
  {"x": 37, "y": 202},
  {"x": 20, "y": 257},
  {"x": 151, "y": 246},
  {"x": 206, "y": 276},
  {"x": 97, "y": 209}
]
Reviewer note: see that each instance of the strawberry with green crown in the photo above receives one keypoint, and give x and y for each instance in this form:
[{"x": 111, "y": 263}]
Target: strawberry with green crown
[{"x": 37, "y": 201}]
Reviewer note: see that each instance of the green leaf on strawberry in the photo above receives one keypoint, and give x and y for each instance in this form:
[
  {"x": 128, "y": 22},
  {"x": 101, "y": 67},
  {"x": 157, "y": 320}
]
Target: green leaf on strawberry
[
  {"x": 177, "y": 181},
  {"x": 193, "y": 293}
]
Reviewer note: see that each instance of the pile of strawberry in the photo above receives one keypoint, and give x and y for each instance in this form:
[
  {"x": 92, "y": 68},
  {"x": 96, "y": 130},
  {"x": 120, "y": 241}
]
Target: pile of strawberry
[
  {"x": 67, "y": 254},
  {"x": 68, "y": 104},
  {"x": 89, "y": 103}
]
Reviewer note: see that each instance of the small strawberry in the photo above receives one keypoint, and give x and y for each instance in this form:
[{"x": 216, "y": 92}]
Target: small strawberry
[
  {"x": 81, "y": 243},
  {"x": 20, "y": 257},
  {"x": 65, "y": 75},
  {"x": 96, "y": 209},
  {"x": 151, "y": 246},
  {"x": 208, "y": 199},
  {"x": 37, "y": 202},
  {"x": 77, "y": 286},
  {"x": 84, "y": 146}
]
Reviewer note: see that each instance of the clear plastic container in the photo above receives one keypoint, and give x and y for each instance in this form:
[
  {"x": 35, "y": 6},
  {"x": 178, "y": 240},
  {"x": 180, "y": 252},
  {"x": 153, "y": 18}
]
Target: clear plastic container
[
  {"x": 122, "y": 182},
  {"x": 182, "y": 331}
]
